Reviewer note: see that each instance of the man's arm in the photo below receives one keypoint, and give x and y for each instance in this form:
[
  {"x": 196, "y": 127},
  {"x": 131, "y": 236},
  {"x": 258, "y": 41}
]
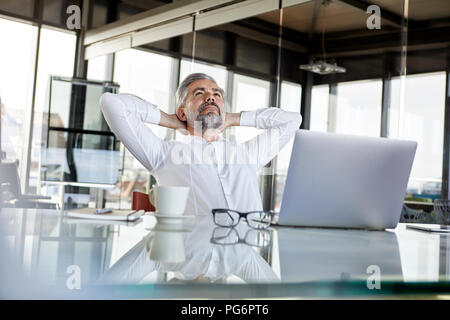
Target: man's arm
[
  {"x": 171, "y": 121},
  {"x": 231, "y": 120},
  {"x": 280, "y": 127},
  {"x": 126, "y": 115}
]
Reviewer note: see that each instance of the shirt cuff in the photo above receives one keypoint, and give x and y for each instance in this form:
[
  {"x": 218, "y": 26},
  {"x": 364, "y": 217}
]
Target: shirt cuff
[
  {"x": 248, "y": 119},
  {"x": 148, "y": 111}
]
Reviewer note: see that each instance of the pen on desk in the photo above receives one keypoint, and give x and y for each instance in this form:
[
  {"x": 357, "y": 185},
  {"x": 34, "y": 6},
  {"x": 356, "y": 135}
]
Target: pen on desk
[{"x": 105, "y": 210}]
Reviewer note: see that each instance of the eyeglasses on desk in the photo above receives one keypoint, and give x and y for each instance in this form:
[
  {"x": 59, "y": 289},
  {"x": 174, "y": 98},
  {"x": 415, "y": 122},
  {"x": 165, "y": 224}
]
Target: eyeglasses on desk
[{"x": 230, "y": 218}]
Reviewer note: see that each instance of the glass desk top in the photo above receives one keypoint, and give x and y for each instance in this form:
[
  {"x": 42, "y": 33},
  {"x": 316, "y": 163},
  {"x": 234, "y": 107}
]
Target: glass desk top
[{"x": 47, "y": 255}]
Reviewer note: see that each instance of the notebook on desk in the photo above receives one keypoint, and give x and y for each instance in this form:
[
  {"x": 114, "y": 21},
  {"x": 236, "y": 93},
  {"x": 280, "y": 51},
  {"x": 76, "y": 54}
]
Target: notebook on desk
[
  {"x": 430, "y": 228},
  {"x": 115, "y": 215},
  {"x": 101, "y": 223}
]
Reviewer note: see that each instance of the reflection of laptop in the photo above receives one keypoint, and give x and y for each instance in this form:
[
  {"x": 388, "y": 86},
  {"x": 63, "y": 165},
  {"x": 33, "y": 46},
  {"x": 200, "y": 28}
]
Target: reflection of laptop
[
  {"x": 336, "y": 254},
  {"x": 346, "y": 181}
]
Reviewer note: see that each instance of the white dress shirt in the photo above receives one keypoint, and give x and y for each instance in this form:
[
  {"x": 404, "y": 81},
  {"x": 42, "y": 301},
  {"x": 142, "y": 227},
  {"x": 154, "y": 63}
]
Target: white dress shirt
[{"x": 221, "y": 174}]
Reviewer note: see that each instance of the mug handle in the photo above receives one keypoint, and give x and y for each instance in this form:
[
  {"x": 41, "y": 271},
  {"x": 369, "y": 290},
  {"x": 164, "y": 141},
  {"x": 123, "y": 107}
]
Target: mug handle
[{"x": 151, "y": 197}]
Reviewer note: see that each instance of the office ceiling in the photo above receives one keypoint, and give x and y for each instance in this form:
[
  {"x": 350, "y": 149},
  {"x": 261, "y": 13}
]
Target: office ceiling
[
  {"x": 346, "y": 15},
  {"x": 418, "y": 9},
  {"x": 144, "y": 4}
]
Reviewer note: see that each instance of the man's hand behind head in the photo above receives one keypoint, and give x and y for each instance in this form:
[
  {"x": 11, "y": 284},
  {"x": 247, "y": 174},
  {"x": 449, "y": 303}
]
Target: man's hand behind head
[{"x": 180, "y": 125}]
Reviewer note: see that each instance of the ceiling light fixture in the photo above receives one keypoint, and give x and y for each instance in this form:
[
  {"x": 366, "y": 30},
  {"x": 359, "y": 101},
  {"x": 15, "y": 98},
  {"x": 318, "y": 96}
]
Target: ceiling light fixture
[{"x": 322, "y": 66}]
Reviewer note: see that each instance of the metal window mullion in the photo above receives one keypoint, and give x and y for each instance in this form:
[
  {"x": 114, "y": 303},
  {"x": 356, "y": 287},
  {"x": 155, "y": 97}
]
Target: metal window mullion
[
  {"x": 445, "y": 188},
  {"x": 174, "y": 80},
  {"x": 269, "y": 180},
  {"x": 332, "y": 107},
  {"x": 232, "y": 106},
  {"x": 80, "y": 65},
  {"x": 305, "y": 107},
  {"x": 38, "y": 10},
  {"x": 385, "y": 105},
  {"x": 271, "y": 185},
  {"x": 26, "y": 156}
]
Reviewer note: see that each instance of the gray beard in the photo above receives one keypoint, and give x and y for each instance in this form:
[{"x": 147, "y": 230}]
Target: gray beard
[{"x": 209, "y": 121}]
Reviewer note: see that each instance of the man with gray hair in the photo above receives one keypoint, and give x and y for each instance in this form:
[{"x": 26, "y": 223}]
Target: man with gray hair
[{"x": 220, "y": 173}]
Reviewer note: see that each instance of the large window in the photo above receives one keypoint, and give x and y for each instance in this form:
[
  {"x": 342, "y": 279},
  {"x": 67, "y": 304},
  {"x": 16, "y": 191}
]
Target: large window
[
  {"x": 148, "y": 76},
  {"x": 17, "y": 59},
  {"x": 56, "y": 57},
  {"x": 291, "y": 95},
  {"x": 358, "y": 108},
  {"x": 350, "y": 108},
  {"x": 98, "y": 68},
  {"x": 218, "y": 73},
  {"x": 420, "y": 117},
  {"x": 249, "y": 94},
  {"x": 319, "y": 107},
  {"x": 416, "y": 112},
  {"x": 290, "y": 100}
]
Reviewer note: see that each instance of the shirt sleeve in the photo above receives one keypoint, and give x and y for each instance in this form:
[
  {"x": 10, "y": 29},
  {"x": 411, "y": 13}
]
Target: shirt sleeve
[
  {"x": 127, "y": 116},
  {"x": 280, "y": 127}
]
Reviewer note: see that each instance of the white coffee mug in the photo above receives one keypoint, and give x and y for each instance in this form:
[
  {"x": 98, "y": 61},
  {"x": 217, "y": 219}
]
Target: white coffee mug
[{"x": 169, "y": 200}]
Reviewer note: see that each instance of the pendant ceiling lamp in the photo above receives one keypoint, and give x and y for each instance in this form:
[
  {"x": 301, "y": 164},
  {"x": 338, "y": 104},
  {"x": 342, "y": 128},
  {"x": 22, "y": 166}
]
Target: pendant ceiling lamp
[{"x": 322, "y": 66}]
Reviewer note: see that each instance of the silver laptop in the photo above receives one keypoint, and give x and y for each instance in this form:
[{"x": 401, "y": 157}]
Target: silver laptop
[{"x": 346, "y": 181}]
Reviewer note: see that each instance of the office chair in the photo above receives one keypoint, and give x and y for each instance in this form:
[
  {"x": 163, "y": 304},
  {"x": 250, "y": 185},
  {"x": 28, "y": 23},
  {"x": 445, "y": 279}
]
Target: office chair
[
  {"x": 10, "y": 182},
  {"x": 414, "y": 216},
  {"x": 442, "y": 211}
]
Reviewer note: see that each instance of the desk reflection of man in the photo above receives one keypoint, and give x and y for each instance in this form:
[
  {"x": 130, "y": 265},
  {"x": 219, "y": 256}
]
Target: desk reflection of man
[
  {"x": 220, "y": 173},
  {"x": 204, "y": 261}
]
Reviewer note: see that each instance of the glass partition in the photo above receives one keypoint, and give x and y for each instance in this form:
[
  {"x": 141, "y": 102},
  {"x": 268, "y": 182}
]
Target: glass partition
[
  {"x": 344, "y": 69},
  {"x": 417, "y": 100},
  {"x": 78, "y": 149},
  {"x": 268, "y": 60}
]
